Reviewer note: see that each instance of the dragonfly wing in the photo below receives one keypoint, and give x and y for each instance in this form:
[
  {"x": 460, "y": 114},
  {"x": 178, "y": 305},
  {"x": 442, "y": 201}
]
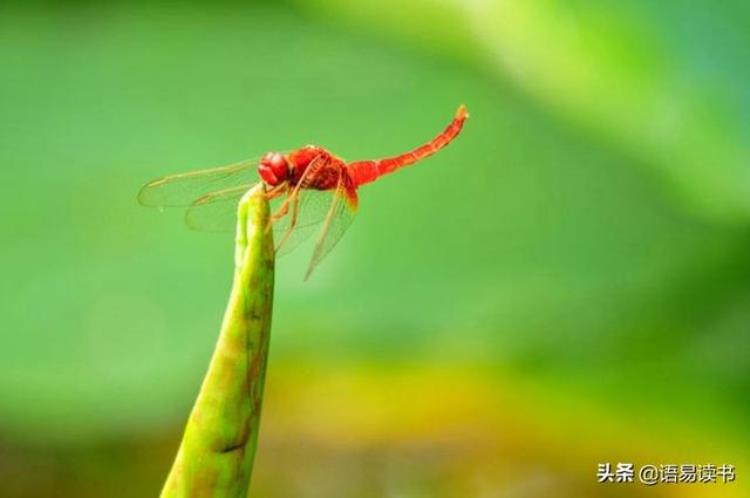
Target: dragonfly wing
[
  {"x": 294, "y": 228},
  {"x": 338, "y": 218},
  {"x": 184, "y": 189},
  {"x": 217, "y": 211}
]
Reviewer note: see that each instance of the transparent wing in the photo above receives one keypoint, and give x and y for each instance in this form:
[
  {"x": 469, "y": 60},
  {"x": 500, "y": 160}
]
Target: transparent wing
[
  {"x": 295, "y": 227},
  {"x": 217, "y": 211},
  {"x": 184, "y": 189},
  {"x": 338, "y": 218}
]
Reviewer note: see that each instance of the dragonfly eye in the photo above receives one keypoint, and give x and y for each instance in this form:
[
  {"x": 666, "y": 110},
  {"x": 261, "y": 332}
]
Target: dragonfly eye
[{"x": 274, "y": 168}]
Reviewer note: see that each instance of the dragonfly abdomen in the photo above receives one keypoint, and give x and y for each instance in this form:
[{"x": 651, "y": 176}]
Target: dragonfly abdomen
[{"x": 363, "y": 172}]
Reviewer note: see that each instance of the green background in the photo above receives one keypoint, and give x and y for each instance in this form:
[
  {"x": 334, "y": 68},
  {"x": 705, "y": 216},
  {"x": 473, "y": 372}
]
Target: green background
[{"x": 565, "y": 285}]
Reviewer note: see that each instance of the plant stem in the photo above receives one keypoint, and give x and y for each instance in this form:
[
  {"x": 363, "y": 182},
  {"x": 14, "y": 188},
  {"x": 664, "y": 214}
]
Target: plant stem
[{"x": 216, "y": 455}]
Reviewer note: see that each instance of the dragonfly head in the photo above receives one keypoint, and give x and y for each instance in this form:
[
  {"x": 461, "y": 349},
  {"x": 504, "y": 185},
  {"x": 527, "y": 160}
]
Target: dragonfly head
[{"x": 274, "y": 168}]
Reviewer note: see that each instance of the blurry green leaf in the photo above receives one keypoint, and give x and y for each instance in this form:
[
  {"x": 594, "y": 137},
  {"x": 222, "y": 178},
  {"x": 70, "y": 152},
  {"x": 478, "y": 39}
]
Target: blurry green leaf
[{"x": 663, "y": 80}]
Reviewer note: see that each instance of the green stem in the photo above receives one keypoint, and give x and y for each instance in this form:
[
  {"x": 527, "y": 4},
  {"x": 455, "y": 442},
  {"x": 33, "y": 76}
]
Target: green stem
[{"x": 215, "y": 458}]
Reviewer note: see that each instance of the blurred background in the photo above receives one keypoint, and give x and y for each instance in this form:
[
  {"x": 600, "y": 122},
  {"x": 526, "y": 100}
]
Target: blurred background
[{"x": 567, "y": 284}]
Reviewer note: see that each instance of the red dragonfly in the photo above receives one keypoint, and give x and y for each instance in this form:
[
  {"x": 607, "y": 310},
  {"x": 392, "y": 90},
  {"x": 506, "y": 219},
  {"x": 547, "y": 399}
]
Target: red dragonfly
[{"x": 308, "y": 187}]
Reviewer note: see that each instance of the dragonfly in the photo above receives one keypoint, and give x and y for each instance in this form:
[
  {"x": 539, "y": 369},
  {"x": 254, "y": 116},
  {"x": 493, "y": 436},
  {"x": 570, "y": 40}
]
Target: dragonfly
[{"x": 310, "y": 190}]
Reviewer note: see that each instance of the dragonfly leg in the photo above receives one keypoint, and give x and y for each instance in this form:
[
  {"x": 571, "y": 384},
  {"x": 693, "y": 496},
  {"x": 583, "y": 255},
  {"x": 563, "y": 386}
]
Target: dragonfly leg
[
  {"x": 282, "y": 211},
  {"x": 292, "y": 222},
  {"x": 283, "y": 208},
  {"x": 276, "y": 191}
]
